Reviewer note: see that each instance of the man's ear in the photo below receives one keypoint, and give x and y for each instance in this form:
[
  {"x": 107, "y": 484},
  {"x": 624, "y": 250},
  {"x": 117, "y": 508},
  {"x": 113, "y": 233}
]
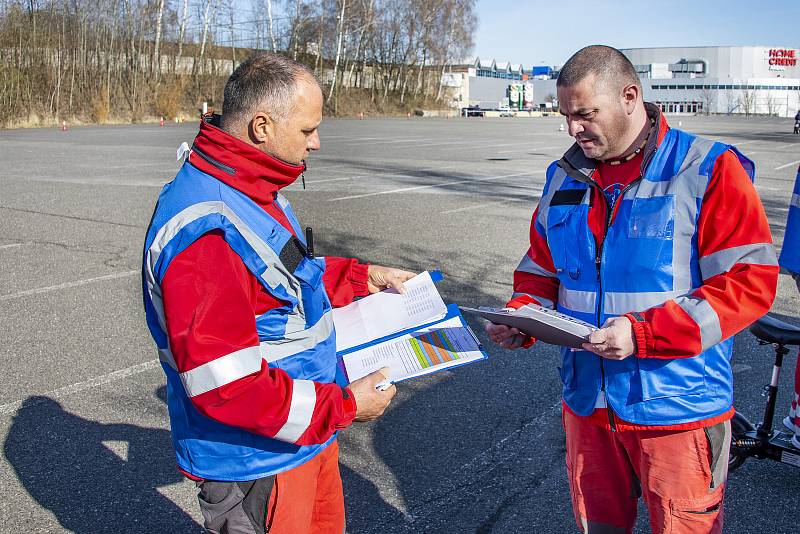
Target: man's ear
[
  {"x": 630, "y": 95},
  {"x": 261, "y": 128}
]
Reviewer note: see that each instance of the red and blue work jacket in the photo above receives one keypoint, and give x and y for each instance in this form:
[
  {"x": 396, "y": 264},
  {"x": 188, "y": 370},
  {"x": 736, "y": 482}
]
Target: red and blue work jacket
[
  {"x": 648, "y": 257},
  {"x": 297, "y": 337}
]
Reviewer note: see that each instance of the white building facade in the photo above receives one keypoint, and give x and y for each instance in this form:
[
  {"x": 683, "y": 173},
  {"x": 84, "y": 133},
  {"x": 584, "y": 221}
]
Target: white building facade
[
  {"x": 724, "y": 79},
  {"x": 714, "y": 79}
]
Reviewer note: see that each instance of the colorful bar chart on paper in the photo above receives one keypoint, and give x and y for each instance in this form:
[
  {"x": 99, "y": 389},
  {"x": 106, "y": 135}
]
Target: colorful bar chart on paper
[{"x": 443, "y": 345}]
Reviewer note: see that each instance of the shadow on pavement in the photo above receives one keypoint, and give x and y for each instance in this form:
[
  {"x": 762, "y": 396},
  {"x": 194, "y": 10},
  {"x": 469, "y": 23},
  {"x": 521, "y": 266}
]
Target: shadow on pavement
[{"x": 95, "y": 477}]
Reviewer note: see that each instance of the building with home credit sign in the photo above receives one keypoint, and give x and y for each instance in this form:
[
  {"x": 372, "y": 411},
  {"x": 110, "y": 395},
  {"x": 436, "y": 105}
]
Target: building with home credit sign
[{"x": 763, "y": 80}]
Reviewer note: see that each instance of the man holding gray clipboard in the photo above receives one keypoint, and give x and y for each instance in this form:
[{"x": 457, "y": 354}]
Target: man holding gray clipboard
[{"x": 658, "y": 238}]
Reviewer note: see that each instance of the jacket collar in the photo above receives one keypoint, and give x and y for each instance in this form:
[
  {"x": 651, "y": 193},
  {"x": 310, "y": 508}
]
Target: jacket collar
[
  {"x": 581, "y": 168},
  {"x": 239, "y": 165}
]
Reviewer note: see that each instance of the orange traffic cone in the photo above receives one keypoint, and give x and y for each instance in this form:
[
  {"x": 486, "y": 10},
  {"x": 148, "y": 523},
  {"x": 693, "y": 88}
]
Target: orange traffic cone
[
  {"x": 408, "y": 115},
  {"x": 63, "y": 126},
  {"x": 161, "y": 122},
  {"x": 561, "y": 127}
]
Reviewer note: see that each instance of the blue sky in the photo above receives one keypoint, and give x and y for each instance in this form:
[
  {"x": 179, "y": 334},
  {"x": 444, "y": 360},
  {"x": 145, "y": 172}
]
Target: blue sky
[{"x": 537, "y": 32}]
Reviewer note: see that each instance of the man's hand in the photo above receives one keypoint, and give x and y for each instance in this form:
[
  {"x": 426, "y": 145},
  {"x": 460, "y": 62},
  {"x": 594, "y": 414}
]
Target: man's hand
[
  {"x": 380, "y": 278},
  {"x": 371, "y": 403},
  {"x": 505, "y": 336},
  {"x": 614, "y": 340}
]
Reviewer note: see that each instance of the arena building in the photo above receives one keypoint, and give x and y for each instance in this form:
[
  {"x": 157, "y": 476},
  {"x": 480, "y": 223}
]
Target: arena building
[{"x": 762, "y": 80}]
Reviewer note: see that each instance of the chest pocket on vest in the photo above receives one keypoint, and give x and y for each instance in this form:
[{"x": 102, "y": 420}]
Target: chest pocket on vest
[
  {"x": 316, "y": 305},
  {"x": 315, "y": 301},
  {"x": 564, "y": 228},
  {"x": 652, "y": 218}
]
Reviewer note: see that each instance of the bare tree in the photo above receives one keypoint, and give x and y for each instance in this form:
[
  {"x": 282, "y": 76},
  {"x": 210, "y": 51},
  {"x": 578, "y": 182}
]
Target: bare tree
[
  {"x": 340, "y": 33},
  {"x": 708, "y": 97},
  {"x": 91, "y": 59},
  {"x": 271, "y": 28},
  {"x": 772, "y": 103},
  {"x": 746, "y": 100},
  {"x": 156, "y": 62}
]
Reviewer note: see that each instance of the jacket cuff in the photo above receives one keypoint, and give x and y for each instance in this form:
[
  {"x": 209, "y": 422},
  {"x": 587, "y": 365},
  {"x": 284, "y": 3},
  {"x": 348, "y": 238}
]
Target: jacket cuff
[
  {"x": 517, "y": 303},
  {"x": 641, "y": 334},
  {"x": 358, "y": 277},
  {"x": 349, "y": 408},
  {"x": 520, "y": 301}
]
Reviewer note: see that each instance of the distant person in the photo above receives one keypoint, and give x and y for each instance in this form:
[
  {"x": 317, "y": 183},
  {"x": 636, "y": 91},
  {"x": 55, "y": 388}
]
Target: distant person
[
  {"x": 240, "y": 310},
  {"x": 790, "y": 260},
  {"x": 659, "y": 238},
  {"x": 797, "y": 122}
]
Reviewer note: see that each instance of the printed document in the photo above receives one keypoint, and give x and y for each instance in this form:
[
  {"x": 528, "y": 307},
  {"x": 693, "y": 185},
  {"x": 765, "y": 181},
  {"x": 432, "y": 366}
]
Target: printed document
[
  {"x": 447, "y": 343},
  {"x": 382, "y": 314}
]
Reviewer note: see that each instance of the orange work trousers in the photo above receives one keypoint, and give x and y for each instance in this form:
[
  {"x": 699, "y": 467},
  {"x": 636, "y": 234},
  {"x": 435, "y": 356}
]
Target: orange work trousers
[
  {"x": 680, "y": 474},
  {"x": 309, "y": 498}
]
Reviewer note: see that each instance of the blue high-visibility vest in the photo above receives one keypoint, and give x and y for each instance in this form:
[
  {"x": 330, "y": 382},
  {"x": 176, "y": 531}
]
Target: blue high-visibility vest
[
  {"x": 298, "y": 337},
  {"x": 649, "y": 256}
]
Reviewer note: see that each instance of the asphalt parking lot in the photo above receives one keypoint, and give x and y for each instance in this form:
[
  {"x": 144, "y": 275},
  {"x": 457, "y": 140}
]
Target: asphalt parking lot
[{"x": 83, "y": 424}]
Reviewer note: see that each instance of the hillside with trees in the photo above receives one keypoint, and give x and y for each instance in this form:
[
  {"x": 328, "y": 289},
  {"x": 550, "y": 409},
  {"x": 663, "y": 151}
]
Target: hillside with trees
[{"x": 134, "y": 60}]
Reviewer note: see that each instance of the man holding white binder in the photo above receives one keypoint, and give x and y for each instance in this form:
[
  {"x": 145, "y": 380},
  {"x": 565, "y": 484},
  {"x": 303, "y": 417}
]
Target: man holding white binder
[
  {"x": 658, "y": 238},
  {"x": 240, "y": 309}
]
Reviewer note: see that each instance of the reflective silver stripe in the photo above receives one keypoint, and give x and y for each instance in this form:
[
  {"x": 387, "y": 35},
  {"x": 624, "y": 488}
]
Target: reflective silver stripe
[
  {"x": 221, "y": 371},
  {"x": 544, "y": 204},
  {"x": 691, "y": 187},
  {"x": 686, "y": 187},
  {"x": 527, "y": 265},
  {"x": 294, "y": 323},
  {"x": 547, "y": 303},
  {"x": 617, "y": 303},
  {"x": 276, "y": 273},
  {"x": 298, "y": 341},
  {"x": 165, "y": 355},
  {"x": 706, "y": 318},
  {"x": 795, "y": 203},
  {"x": 304, "y": 398},
  {"x": 579, "y": 301},
  {"x": 722, "y": 261},
  {"x": 696, "y": 154},
  {"x": 282, "y": 200}
]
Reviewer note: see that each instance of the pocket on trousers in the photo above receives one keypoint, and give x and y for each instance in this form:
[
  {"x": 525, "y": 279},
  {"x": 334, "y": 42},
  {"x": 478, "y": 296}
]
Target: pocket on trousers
[
  {"x": 699, "y": 513},
  {"x": 220, "y": 503}
]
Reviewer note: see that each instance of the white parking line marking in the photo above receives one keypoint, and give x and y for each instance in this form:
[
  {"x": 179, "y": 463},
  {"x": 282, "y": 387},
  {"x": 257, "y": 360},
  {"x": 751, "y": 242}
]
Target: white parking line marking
[
  {"x": 737, "y": 145},
  {"x": 101, "y": 181},
  {"x": 389, "y": 174},
  {"x": 65, "y": 391},
  {"x": 67, "y": 285},
  {"x": 441, "y": 184},
  {"x": 315, "y": 181},
  {"x": 11, "y": 245},
  {"x": 490, "y": 204},
  {"x": 407, "y": 140},
  {"x": 536, "y": 148},
  {"x": 787, "y": 165}
]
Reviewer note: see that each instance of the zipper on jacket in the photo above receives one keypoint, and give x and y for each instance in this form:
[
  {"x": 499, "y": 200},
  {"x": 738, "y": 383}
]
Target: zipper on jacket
[{"x": 598, "y": 259}]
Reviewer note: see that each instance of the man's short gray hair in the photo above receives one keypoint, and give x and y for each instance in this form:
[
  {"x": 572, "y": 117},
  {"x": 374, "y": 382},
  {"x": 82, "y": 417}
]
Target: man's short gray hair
[
  {"x": 263, "y": 82},
  {"x": 608, "y": 64}
]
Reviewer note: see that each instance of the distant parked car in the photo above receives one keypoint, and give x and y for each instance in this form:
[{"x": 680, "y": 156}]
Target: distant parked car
[
  {"x": 505, "y": 111},
  {"x": 473, "y": 111}
]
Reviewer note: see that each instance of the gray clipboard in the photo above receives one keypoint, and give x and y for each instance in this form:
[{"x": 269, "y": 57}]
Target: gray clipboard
[{"x": 540, "y": 323}]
